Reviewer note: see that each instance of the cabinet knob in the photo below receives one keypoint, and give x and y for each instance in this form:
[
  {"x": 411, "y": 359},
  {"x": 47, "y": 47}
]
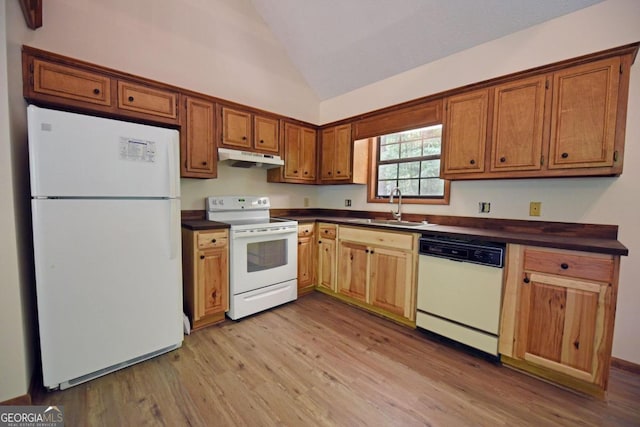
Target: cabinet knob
[
  {"x": 130, "y": 99},
  {"x": 366, "y": 250},
  {"x": 319, "y": 241},
  {"x": 306, "y": 231},
  {"x": 306, "y": 172},
  {"x": 244, "y": 138},
  {"x": 338, "y": 172},
  {"x": 299, "y": 243},
  {"x": 372, "y": 251},
  {"x": 214, "y": 294},
  {"x": 213, "y": 240},
  {"x": 204, "y": 163},
  {"x": 326, "y": 231},
  {"x": 96, "y": 91},
  {"x": 564, "y": 155},
  {"x": 564, "y": 266},
  {"x": 329, "y": 173},
  {"x": 503, "y": 159},
  {"x": 472, "y": 162},
  {"x": 261, "y": 141},
  {"x": 526, "y": 280},
  {"x": 295, "y": 171},
  {"x": 201, "y": 256}
]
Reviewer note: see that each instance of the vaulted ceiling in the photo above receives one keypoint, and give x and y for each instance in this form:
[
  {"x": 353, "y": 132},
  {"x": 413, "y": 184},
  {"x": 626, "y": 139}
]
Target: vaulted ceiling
[{"x": 341, "y": 45}]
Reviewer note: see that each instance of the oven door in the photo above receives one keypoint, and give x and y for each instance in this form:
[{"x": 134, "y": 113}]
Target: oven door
[{"x": 262, "y": 258}]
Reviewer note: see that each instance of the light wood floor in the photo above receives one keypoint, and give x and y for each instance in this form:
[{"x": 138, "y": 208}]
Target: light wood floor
[{"x": 319, "y": 362}]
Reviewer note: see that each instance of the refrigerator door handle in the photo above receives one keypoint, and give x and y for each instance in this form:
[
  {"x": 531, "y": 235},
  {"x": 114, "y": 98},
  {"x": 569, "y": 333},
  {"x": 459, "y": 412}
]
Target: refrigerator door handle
[
  {"x": 173, "y": 157},
  {"x": 174, "y": 228}
]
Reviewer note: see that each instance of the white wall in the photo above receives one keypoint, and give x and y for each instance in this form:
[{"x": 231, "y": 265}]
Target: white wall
[
  {"x": 14, "y": 370},
  {"x": 589, "y": 200}
]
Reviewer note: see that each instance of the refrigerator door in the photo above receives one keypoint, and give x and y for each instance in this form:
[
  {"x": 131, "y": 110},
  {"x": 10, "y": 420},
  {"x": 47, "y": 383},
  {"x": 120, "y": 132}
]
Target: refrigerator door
[
  {"x": 109, "y": 283},
  {"x": 74, "y": 155}
]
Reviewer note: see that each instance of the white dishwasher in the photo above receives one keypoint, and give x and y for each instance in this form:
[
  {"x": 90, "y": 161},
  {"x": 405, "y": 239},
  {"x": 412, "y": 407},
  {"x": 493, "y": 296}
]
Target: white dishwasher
[{"x": 460, "y": 290}]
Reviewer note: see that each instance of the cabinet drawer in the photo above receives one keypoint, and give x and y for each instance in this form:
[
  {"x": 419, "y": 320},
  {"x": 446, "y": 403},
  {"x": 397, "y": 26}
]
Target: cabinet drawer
[
  {"x": 305, "y": 230},
  {"x": 378, "y": 238},
  {"x": 71, "y": 83},
  {"x": 590, "y": 267},
  {"x": 143, "y": 99},
  {"x": 212, "y": 239},
  {"x": 327, "y": 231}
]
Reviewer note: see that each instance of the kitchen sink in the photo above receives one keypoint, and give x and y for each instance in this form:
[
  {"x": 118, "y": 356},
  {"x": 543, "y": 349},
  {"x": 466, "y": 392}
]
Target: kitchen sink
[{"x": 389, "y": 222}]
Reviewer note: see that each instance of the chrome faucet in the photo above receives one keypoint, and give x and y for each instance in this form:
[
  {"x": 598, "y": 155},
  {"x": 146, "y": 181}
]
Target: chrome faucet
[{"x": 397, "y": 215}]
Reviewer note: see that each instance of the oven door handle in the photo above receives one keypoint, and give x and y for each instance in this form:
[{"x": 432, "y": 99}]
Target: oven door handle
[{"x": 263, "y": 232}]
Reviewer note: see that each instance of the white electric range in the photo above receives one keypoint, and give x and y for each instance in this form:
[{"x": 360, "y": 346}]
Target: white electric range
[{"x": 263, "y": 255}]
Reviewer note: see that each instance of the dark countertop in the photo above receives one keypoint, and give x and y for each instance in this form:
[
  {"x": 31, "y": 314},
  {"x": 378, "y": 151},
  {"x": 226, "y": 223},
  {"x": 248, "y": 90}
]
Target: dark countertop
[
  {"x": 587, "y": 244},
  {"x": 203, "y": 224}
]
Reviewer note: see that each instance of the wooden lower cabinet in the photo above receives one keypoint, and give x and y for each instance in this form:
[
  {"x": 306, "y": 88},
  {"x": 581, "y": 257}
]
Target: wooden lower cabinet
[
  {"x": 378, "y": 270},
  {"x": 205, "y": 269},
  {"x": 327, "y": 256},
  {"x": 558, "y": 315},
  {"x": 306, "y": 246}
]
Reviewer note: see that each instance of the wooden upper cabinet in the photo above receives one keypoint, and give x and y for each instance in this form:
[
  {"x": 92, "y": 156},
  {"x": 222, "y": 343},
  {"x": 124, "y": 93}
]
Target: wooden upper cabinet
[
  {"x": 583, "y": 126},
  {"x": 198, "y": 146},
  {"x": 299, "y": 152},
  {"x": 465, "y": 132},
  {"x": 147, "y": 100},
  {"x": 70, "y": 83},
  {"x": 242, "y": 130},
  {"x": 518, "y": 124},
  {"x": 266, "y": 138},
  {"x": 341, "y": 159}
]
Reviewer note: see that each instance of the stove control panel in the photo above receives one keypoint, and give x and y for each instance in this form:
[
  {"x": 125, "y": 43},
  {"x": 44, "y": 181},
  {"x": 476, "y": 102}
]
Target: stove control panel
[{"x": 237, "y": 203}]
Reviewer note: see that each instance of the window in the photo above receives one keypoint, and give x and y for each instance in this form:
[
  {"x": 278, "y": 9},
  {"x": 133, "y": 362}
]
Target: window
[{"x": 409, "y": 160}]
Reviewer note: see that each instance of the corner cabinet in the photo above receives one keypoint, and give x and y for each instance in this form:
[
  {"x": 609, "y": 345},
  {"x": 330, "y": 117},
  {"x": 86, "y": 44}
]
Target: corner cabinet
[
  {"x": 306, "y": 246},
  {"x": 558, "y": 315},
  {"x": 342, "y": 161},
  {"x": 299, "y": 152},
  {"x": 377, "y": 271},
  {"x": 197, "y": 139},
  {"x": 205, "y": 270}
]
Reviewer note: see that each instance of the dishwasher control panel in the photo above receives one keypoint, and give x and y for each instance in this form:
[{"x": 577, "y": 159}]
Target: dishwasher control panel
[{"x": 477, "y": 252}]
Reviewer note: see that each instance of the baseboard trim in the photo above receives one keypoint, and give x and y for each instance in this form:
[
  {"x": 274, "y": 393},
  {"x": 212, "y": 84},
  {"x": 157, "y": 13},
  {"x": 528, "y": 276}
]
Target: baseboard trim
[{"x": 625, "y": 365}]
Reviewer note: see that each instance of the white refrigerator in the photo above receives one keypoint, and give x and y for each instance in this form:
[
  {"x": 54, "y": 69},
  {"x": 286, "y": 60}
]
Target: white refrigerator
[{"x": 106, "y": 233}]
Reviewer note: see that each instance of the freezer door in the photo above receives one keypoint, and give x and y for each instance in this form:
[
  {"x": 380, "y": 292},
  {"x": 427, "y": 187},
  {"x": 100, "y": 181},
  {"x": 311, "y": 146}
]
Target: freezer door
[
  {"x": 74, "y": 155},
  {"x": 108, "y": 282}
]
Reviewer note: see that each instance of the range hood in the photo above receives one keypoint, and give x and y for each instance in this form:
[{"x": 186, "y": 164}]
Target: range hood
[{"x": 247, "y": 159}]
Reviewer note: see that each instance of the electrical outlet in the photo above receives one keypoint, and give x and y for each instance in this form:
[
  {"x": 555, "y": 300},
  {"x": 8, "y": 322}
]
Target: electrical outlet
[
  {"x": 306, "y": 202},
  {"x": 347, "y": 202},
  {"x": 484, "y": 207},
  {"x": 535, "y": 208}
]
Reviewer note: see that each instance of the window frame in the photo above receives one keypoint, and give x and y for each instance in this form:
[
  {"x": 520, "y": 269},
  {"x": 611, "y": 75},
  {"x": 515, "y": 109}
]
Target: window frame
[{"x": 372, "y": 178}]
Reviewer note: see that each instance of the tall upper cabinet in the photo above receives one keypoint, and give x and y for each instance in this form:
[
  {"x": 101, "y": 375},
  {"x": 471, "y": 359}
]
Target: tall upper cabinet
[
  {"x": 566, "y": 119},
  {"x": 299, "y": 152}
]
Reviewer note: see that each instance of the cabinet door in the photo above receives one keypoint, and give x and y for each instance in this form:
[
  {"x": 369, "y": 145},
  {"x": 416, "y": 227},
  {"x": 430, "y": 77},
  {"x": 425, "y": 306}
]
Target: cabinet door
[
  {"x": 327, "y": 264},
  {"x": 236, "y": 128},
  {"x": 198, "y": 145},
  {"x": 308, "y": 154},
  {"x": 583, "y": 123},
  {"x": 305, "y": 262},
  {"x": 71, "y": 83},
  {"x": 266, "y": 134},
  {"x": 465, "y": 132},
  {"x": 562, "y": 324},
  {"x": 353, "y": 270},
  {"x": 342, "y": 153},
  {"x": 292, "y": 151},
  {"x": 327, "y": 157},
  {"x": 147, "y": 100},
  {"x": 213, "y": 282},
  {"x": 518, "y": 117},
  {"x": 391, "y": 281}
]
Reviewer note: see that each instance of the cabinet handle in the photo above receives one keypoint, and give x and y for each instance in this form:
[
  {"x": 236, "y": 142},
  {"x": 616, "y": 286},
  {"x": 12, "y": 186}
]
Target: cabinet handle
[
  {"x": 564, "y": 266},
  {"x": 306, "y": 231},
  {"x": 472, "y": 162},
  {"x": 295, "y": 171},
  {"x": 213, "y": 294},
  {"x": 96, "y": 91},
  {"x": 338, "y": 172},
  {"x": 503, "y": 159},
  {"x": 564, "y": 155},
  {"x": 130, "y": 99},
  {"x": 299, "y": 243},
  {"x": 372, "y": 251},
  {"x": 329, "y": 173},
  {"x": 244, "y": 138},
  {"x": 366, "y": 250},
  {"x": 326, "y": 231},
  {"x": 213, "y": 240},
  {"x": 319, "y": 241},
  {"x": 526, "y": 279},
  {"x": 305, "y": 172},
  {"x": 261, "y": 141},
  {"x": 204, "y": 163},
  {"x": 201, "y": 256},
  {"x": 351, "y": 257}
]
